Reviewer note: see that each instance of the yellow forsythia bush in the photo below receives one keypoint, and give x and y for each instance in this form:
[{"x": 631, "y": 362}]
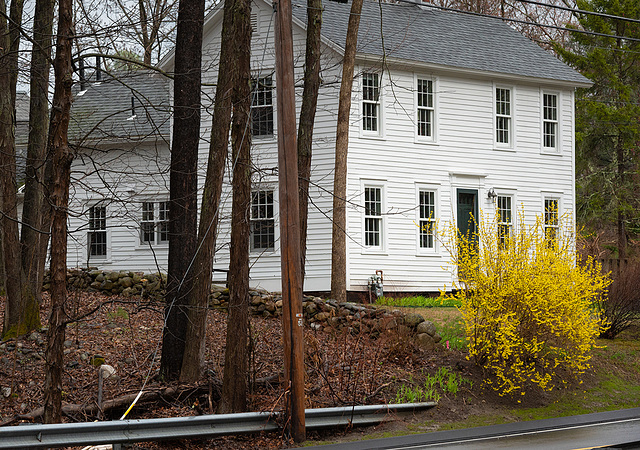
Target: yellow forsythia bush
[{"x": 527, "y": 305}]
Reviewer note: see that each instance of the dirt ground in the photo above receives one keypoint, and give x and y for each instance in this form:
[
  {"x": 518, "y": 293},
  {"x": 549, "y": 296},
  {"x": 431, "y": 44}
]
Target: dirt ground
[{"x": 342, "y": 369}]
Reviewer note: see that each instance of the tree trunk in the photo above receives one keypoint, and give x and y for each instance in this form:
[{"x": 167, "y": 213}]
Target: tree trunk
[
  {"x": 33, "y": 226},
  {"x": 209, "y": 213},
  {"x": 9, "y": 42},
  {"x": 236, "y": 358},
  {"x": 58, "y": 148},
  {"x": 621, "y": 229},
  {"x": 307, "y": 117},
  {"x": 183, "y": 206},
  {"x": 339, "y": 231}
]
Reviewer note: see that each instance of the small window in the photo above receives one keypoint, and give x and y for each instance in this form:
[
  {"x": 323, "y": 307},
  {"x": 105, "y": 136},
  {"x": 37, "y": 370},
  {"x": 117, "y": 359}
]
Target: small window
[
  {"x": 551, "y": 223},
  {"x": 262, "y": 221},
  {"x": 550, "y": 121},
  {"x": 98, "y": 231},
  {"x": 425, "y": 108},
  {"x": 503, "y": 116},
  {"x": 505, "y": 220},
  {"x": 370, "y": 102},
  {"x": 154, "y": 224},
  {"x": 372, "y": 216},
  {"x": 262, "y": 106},
  {"x": 427, "y": 218}
]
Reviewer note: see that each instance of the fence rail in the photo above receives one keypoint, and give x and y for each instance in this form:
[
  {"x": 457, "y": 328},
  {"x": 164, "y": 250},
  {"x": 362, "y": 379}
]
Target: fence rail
[
  {"x": 130, "y": 431},
  {"x": 614, "y": 265}
]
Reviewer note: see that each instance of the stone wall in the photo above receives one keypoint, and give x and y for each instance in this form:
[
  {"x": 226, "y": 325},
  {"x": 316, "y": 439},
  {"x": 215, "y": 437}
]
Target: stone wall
[
  {"x": 329, "y": 315},
  {"x": 321, "y": 314},
  {"x": 114, "y": 283}
]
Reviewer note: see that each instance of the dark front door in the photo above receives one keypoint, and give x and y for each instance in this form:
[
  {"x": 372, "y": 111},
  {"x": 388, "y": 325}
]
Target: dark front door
[{"x": 467, "y": 212}]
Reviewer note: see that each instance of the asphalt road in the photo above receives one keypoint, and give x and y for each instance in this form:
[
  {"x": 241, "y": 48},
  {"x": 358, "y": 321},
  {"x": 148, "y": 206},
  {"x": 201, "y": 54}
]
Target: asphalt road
[{"x": 612, "y": 429}]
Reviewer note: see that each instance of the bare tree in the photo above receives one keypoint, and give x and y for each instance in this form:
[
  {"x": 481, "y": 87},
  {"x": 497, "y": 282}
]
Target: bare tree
[
  {"x": 183, "y": 206},
  {"x": 143, "y": 27},
  {"x": 209, "y": 213},
  {"x": 60, "y": 155},
  {"x": 35, "y": 224},
  {"x": 9, "y": 45},
  {"x": 338, "y": 241},
  {"x": 236, "y": 358},
  {"x": 307, "y": 115}
]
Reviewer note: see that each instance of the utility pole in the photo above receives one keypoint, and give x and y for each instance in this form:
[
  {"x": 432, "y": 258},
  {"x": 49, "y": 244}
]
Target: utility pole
[{"x": 292, "y": 319}]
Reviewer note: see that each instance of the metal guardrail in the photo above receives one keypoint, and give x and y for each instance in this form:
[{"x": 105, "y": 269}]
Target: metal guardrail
[{"x": 130, "y": 431}]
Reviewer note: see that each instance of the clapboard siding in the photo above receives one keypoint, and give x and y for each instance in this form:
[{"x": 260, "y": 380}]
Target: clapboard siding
[
  {"x": 120, "y": 180},
  {"x": 463, "y": 154},
  {"x": 464, "y": 145}
]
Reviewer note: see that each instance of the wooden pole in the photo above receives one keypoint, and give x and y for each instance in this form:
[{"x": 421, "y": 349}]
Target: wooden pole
[{"x": 289, "y": 222}]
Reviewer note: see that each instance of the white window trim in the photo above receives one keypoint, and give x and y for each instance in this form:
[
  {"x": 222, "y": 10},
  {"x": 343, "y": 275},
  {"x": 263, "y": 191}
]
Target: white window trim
[
  {"x": 381, "y": 133},
  {"x": 433, "y": 139},
  {"x": 267, "y": 138},
  {"x": 514, "y": 206},
  {"x": 97, "y": 259},
  {"x": 551, "y": 196},
  {"x": 557, "y": 150},
  {"x": 511, "y": 146},
  {"x": 420, "y": 251},
  {"x": 147, "y": 245},
  {"x": 256, "y": 253},
  {"x": 382, "y": 248}
]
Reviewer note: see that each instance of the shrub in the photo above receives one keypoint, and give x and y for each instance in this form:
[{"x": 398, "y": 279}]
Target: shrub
[
  {"x": 622, "y": 307},
  {"x": 527, "y": 306}
]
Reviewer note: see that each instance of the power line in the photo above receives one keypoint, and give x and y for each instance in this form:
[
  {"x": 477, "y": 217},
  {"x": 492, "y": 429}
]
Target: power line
[
  {"x": 524, "y": 22},
  {"x": 581, "y": 11}
]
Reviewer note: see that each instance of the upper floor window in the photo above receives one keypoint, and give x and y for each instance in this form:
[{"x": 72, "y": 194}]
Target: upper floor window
[
  {"x": 372, "y": 216},
  {"x": 97, "y": 235},
  {"x": 427, "y": 207},
  {"x": 504, "y": 119},
  {"x": 154, "y": 224},
  {"x": 425, "y": 117},
  {"x": 551, "y": 223},
  {"x": 505, "y": 219},
  {"x": 371, "y": 102},
  {"x": 550, "y": 121},
  {"x": 262, "y": 106},
  {"x": 263, "y": 235}
]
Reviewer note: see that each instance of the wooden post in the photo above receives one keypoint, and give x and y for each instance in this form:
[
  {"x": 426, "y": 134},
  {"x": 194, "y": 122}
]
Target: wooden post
[{"x": 289, "y": 221}]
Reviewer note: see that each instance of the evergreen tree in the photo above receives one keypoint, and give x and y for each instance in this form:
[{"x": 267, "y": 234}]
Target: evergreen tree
[{"x": 607, "y": 118}]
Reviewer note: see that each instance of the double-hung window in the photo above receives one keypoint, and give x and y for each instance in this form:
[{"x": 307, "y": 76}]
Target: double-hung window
[
  {"x": 551, "y": 222},
  {"x": 427, "y": 213},
  {"x": 504, "y": 117},
  {"x": 154, "y": 223},
  {"x": 550, "y": 121},
  {"x": 263, "y": 235},
  {"x": 97, "y": 236},
  {"x": 426, "y": 112},
  {"x": 372, "y": 216},
  {"x": 371, "y": 102},
  {"x": 505, "y": 219},
  {"x": 262, "y": 106}
]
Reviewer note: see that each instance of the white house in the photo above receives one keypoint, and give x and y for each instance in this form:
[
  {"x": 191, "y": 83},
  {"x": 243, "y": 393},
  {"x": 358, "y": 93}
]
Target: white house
[{"x": 456, "y": 107}]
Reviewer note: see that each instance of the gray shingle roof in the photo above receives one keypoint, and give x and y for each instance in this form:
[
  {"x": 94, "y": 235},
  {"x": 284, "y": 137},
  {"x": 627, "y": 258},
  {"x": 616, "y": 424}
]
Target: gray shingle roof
[
  {"x": 104, "y": 112},
  {"x": 428, "y": 35}
]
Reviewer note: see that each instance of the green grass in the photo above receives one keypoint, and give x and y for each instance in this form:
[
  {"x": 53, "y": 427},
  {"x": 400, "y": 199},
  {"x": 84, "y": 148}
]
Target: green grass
[
  {"x": 418, "y": 302},
  {"x": 444, "y": 381}
]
